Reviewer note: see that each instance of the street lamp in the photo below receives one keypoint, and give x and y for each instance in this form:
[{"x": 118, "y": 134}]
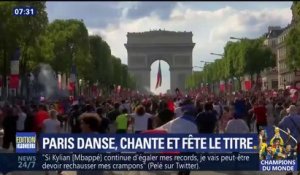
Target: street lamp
[
  {"x": 198, "y": 67},
  {"x": 206, "y": 62},
  {"x": 240, "y": 39},
  {"x": 80, "y": 84},
  {"x": 235, "y": 38},
  {"x": 217, "y": 54}
]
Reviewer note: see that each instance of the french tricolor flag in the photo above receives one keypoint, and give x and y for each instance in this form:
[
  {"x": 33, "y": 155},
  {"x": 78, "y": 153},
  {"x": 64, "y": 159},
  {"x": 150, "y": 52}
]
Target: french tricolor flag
[
  {"x": 159, "y": 77},
  {"x": 222, "y": 85},
  {"x": 73, "y": 74},
  {"x": 14, "y": 69}
]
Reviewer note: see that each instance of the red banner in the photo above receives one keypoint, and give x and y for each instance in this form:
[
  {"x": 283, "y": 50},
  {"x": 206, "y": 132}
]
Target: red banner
[
  {"x": 222, "y": 86},
  {"x": 248, "y": 84},
  {"x": 71, "y": 86},
  {"x": 14, "y": 81},
  {"x": 119, "y": 89}
]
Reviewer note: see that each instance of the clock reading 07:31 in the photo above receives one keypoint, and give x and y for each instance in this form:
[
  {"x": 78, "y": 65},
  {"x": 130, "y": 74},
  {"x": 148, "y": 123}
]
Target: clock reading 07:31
[{"x": 24, "y": 11}]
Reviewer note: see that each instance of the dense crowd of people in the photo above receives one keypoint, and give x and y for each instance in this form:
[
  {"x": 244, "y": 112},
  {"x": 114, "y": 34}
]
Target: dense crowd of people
[{"x": 242, "y": 112}]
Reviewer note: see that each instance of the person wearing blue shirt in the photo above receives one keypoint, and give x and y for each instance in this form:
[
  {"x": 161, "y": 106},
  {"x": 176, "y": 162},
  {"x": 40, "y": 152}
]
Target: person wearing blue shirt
[
  {"x": 240, "y": 108},
  {"x": 292, "y": 122}
]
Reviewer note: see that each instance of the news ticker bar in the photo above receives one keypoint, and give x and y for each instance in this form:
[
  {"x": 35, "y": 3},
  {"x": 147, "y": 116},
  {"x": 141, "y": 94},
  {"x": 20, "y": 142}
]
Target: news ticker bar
[{"x": 138, "y": 162}]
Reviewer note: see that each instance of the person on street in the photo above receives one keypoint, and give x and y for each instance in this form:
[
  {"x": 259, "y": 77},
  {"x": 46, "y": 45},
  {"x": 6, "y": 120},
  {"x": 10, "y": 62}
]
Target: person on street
[
  {"x": 112, "y": 115},
  {"x": 104, "y": 124},
  {"x": 260, "y": 114},
  {"x": 207, "y": 120},
  {"x": 227, "y": 116},
  {"x": 236, "y": 126},
  {"x": 41, "y": 115},
  {"x": 292, "y": 123},
  {"x": 10, "y": 127},
  {"x": 51, "y": 125},
  {"x": 89, "y": 124},
  {"x": 21, "y": 119},
  {"x": 140, "y": 119},
  {"x": 122, "y": 122},
  {"x": 74, "y": 119}
]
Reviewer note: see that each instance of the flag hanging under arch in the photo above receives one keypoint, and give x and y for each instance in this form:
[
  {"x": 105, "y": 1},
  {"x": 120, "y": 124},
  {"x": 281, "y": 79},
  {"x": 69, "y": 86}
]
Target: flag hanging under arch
[{"x": 159, "y": 77}]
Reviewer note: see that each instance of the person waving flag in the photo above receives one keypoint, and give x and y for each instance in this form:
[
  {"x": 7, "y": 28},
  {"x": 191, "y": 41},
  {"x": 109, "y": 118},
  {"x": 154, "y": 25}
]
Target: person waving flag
[{"x": 159, "y": 78}]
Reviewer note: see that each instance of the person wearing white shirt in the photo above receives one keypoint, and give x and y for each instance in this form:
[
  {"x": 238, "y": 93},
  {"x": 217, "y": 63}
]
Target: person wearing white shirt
[
  {"x": 140, "y": 119},
  {"x": 125, "y": 105},
  {"x": 51, "y": 125},
  {"x": 21, "y": 120},
  {"x": 237, "y": 125},
  {"x": 218, "y": 108},
  {"x": 178, "y": 110},
  {"x": 185, "y": 123}
]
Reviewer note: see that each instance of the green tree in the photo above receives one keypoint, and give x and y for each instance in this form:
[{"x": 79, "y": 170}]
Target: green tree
[
  {"x": 257, "y": 56},
  {"x": 20, "y": 32},
  {"x": 33, "y": 28},
  {"x": 97, "y": 69},
  {"x": 117, "y": 70},
  {"x": 234, "y": 62},
  {"x": 104, "y": 62},
  {"x": 293, "y": 47},
  {"x": 247, "y": 57},
  {"x": 106, "y": 68},
  {"x": 131, "y": 82},
  {"x": 296, "y": 11},
  {"x": 192, "y": 81},
  {"x": 292, "y": 40},
  {"x": 70, "y": 46},
  {"x": 124, "y": 75}
]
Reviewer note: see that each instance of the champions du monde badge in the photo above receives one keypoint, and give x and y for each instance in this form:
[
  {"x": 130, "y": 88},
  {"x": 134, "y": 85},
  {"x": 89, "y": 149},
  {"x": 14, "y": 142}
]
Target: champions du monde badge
[{"x": 277, "y": 150}]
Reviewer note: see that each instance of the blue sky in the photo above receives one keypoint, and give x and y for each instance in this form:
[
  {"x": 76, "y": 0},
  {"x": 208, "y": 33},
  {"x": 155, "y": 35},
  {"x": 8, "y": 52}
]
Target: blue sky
[{"x": 212, "y": 23}]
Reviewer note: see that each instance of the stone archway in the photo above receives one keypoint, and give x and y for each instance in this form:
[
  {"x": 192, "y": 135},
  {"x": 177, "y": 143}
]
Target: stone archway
[{"x": 176, "y": 48}]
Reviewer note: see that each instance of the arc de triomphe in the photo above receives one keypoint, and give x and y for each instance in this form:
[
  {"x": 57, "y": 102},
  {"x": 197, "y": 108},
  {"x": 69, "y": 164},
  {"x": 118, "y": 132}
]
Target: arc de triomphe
[{"x": 176, "y": 48}]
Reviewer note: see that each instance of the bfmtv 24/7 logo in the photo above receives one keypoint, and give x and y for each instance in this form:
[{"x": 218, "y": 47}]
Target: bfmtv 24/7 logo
[{"x": 26, "y": 142}]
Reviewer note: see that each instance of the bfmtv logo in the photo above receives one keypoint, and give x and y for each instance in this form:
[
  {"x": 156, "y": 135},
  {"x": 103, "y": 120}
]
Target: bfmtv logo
[{"x": 25, "y": 142}]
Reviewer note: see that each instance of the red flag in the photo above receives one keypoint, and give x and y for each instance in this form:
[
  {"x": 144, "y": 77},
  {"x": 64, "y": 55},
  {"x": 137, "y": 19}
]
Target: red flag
[
  {"x": 222, "y": 86},
  {"x": 14, "y": 81},
  {"x": 159, "y": 78},
  {"x": 248, "y": 84},
  {"x": 71, "y": 86},
  {"x": 119, "y": 89}
]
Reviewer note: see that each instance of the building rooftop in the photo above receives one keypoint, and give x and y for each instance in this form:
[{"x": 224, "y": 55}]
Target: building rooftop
[
  {"x": 274, "y": 33},
  {"x": 160, "y": 31}
]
